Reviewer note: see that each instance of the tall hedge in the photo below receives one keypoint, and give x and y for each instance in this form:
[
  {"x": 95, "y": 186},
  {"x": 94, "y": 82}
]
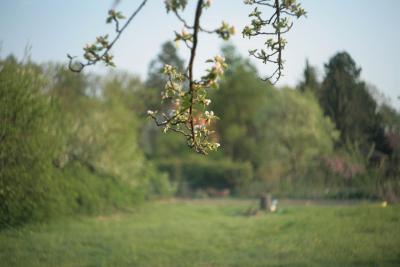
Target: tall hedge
[
  {"x": 27, "y": 145},
  {"x": 202, "y": 173}
]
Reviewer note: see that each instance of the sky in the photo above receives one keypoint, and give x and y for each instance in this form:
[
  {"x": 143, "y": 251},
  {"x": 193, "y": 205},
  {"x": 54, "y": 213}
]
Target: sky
[{"x": 367, "y": 29}]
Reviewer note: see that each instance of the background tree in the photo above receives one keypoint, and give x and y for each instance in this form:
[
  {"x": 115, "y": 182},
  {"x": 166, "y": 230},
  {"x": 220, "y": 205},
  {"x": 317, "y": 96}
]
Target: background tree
[
  {"x": 168, "y": 55},
  {"x": 310, "y": 80},
  {"x": 156, "y": 78},
  {"x": 281, "y": 132},
  {"x": 344, "y": 98},
  {"x": 157, "y": 144},
  {"x": 295, "y": 136},
  {"x": 242, "y": 95}
]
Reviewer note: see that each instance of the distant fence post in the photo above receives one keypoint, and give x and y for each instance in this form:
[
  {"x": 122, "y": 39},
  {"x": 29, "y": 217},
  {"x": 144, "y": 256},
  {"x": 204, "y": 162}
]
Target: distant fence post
[{"x": 265, "y": 201}]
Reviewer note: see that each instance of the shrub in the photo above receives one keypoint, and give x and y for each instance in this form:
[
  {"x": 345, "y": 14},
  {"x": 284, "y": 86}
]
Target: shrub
[
  {"x": 203, "y": 173},
  {"x": 27, "y": 146},
  {"x": 63, "y": 152}
]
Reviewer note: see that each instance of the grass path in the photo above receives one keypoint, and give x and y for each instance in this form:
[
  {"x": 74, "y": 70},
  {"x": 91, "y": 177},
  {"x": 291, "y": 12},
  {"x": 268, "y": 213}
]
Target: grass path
[{"x": 212, "y": 233}]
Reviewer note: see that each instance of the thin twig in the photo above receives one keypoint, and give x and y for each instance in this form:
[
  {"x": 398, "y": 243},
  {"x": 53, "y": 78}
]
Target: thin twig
[{"x": 119, "y": 33}]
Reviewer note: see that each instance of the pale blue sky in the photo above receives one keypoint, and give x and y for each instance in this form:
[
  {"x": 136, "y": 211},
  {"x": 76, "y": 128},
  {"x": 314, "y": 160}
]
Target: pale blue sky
[{"x": 367, "y": 29}]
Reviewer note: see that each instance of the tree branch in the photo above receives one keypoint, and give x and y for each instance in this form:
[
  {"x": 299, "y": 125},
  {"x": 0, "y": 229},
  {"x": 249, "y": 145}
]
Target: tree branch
[
  {"x": 119, "y": 32},
  {"x": 191, "y": 63}
]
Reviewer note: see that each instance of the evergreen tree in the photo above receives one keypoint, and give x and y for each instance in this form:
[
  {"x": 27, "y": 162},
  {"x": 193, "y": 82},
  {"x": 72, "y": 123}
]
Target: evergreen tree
[
  {"x": 155, "y": 143},
  {"x": 156, "y": 79},
  {"x": 310, "y": 80},
  {"x": 345, "y": 98}
]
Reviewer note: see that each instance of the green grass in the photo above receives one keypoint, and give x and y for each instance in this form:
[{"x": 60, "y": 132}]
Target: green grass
[{"x": 212, "y": 233}]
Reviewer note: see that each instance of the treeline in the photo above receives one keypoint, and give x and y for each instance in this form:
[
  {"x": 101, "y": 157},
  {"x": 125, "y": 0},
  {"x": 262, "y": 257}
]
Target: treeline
[
  {"x": 326, "y": 138},
  {"x": 82, "y": 143}
]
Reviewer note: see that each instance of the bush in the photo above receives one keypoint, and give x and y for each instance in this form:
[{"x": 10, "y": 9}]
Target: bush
[
  {"x": 203, "y": 173},
  {"x": 63, "y": 152},
  {"x": 27, "y": 146},
  {"x": 85, "y": 190}
]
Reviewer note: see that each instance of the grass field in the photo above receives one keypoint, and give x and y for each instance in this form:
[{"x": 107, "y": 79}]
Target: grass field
[{"x": 213, "y": 233}]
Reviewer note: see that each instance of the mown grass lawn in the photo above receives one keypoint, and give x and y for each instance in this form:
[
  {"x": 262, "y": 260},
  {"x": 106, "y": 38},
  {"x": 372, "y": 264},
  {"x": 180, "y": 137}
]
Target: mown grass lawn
[{"x": 212, "y": 233}]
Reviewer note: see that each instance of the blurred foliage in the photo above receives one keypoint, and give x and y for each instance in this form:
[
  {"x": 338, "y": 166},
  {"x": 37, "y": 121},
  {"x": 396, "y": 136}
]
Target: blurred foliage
[
  {"x": 156, "y": 144},
  {"x": 243, "y": 95},
  {"x": 310, "y": 80},
  {"x": 74, "y": 143},
  {"x": 28, "y": 144},
  {"x": 345, "y": 99},
  {"x": 70, "y": 143},
  {"x": 199, "y": 173},
  {"x": 280, "y": 132},
  {"x": 295, "y": 136},
  {"x": 328, "y": 139}
]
